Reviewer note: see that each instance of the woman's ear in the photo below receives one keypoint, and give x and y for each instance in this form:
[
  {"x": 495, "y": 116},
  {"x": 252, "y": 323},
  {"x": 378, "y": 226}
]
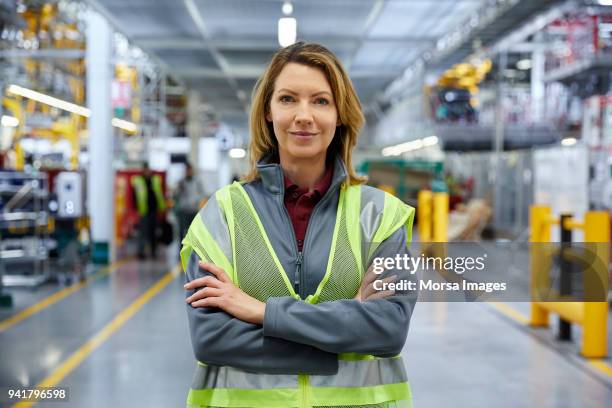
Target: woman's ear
[{"x": 268, "y": 117}]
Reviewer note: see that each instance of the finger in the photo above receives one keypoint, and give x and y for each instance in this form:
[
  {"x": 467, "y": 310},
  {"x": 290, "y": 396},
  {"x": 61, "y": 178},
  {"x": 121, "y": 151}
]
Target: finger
[
  {"x": 380, "y": 295},
  {"x": 215, "y": 270},
  {"x": 204, "y": 293},
  {"x": 369, "y": 277},
  {"x": 370, "y": 290},
  {"x": 202, "y": 282},
  {"x": 207, "y": 302}
]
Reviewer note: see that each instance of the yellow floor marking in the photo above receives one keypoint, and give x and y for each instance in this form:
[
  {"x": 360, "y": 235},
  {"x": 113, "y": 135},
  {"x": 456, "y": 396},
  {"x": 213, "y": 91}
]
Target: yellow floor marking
[
  {"x": 96, "y": 341},
  {"x": 57, "y": 296},
  {"x": 598, "y": 364},
  {"x": 510, "y": 312},
  {"x": 601, "y": 366}
]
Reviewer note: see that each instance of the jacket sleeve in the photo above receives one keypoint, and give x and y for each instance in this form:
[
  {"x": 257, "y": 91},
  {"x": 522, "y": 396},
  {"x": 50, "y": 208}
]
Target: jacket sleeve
[
  {"x": 220, "y": 339},
  {"x": 377, "y": 327}
]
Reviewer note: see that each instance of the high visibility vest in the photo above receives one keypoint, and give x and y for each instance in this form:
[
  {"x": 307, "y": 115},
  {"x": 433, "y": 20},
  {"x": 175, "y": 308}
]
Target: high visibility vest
[
  {"x": 362, "y": 380},
  {"x": 140, "y": 187}
]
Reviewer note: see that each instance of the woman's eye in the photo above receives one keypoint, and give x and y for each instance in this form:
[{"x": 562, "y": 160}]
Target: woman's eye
[
  {"x": 286, "y": 98},
  {"x": 322, "y": 101}
]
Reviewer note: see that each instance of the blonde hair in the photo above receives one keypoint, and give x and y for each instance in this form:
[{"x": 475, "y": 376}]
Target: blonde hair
[{"x": 350, "y": 115}]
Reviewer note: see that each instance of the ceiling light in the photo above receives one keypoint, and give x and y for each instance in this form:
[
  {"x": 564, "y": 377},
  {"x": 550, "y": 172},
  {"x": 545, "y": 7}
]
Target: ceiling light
[
  {"x": 64, "y": 105},
  {"x": 430, "y": 141},
  {"x": 48, "y": 100},
  {"x": 569, "y": 141},
  {"x": 122, "y": 124},
  {"x": 237, "y": 153},
  {"x": 401, "y": 148},
  {"x": 287, "y": 8},
  {"x": 524, "y": 64},
  {"x": 287, "y": 31},
  {"x": 9, "y": 121},
  {"x": 605, "y": 2}
]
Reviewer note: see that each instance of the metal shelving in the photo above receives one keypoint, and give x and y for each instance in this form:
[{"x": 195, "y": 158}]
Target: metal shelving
[
  {"x": 23, "y": 228},
  {"x": 599, "y": 64}
]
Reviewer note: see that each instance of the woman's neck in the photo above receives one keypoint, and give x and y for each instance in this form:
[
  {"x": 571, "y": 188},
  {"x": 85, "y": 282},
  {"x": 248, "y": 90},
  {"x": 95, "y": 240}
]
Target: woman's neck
[{"x": 305, "y": 173}]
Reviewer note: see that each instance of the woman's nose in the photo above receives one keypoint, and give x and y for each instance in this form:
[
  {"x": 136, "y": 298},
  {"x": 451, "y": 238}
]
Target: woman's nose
[{"x": 303, "y": 115}]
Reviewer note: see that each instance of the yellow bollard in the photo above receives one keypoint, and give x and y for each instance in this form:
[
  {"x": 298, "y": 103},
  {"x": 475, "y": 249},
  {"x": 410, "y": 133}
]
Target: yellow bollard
[
  {"x": 440, "y": 217},
  {"x": 424, "y": 215},
  {"x": 595, "y": 324},
  {"x": 539, "y": 259}
]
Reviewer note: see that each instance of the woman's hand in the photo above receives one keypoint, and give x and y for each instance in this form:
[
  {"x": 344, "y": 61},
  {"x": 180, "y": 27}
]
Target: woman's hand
[
  {"x": 367, "y": 291},
  {"x": 219, "y": 291}
]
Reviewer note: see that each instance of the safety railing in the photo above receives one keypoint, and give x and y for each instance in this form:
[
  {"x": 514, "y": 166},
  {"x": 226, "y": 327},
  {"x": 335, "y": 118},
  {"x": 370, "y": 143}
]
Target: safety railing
[
  {"x": 432, "y": 216},
  {"x": 591, "y": 315}
]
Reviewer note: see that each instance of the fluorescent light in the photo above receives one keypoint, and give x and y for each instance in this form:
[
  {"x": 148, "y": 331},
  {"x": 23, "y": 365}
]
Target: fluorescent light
[
  {"x": 398, "y": 149},
  {"x": 10, "y": 121},
  {"x": 49, "y": 100},
  {"x": 524, "y": 64},
  {"x": 124, "y": 125},
  {"x": 287, "y": 8},
  {"x": 237, "y": 153},
  {"x": 569, "y": 141},
  {"x": 287, "y": 31},
  {"x": 430, "y": 140},
  {"x": 605, "y": 2},
  {"x": 64, "y": 105}
]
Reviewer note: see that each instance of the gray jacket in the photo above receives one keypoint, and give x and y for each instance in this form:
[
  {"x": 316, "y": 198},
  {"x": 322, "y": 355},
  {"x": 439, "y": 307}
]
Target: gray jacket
[{"x": 297, "y": 337}]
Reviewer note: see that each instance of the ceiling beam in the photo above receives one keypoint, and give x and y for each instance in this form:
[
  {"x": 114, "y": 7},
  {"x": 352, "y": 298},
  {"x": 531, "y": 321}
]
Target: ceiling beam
[
  {"x": 248, "y": 72},
  {"x": 196, "y": 16},
  {"x": 373, "y": 16},
  {"x": 255, "y": 71},
  {"x": 266, "y": 43}
]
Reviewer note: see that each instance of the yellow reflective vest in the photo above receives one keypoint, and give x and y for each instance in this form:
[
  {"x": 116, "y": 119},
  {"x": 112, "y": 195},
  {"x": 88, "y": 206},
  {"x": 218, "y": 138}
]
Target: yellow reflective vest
[
  {"x": 247, "y": 256},
  {"x": 140, "y": 187}
]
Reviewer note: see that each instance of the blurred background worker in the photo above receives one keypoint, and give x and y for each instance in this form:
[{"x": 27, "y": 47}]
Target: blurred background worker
[
  {"x": 188, "y": 197},
  {"x": 149, "y": 201}
]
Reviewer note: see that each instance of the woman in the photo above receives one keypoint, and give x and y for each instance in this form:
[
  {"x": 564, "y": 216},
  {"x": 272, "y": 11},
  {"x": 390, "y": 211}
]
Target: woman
[{"x": 285, "y": 315}]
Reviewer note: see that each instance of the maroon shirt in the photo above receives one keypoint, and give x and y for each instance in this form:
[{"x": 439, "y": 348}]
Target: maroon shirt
[{"x": 300, "y": 203}]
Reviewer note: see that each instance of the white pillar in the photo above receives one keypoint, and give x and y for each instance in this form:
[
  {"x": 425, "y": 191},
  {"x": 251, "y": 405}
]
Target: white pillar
[
  {"x": 537, "y": 81},
  {"x": 194, "y": 126},
  {"x": 100, "y": 175}
]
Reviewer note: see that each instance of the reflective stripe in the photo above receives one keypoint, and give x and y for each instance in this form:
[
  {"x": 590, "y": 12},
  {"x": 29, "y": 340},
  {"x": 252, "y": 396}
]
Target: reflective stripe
[
  {"x": 210, "y": 252},
  {"x": 141, "y": 194},
  {"x": 351, "y": 373},
  {"x": 373, "y": 203},
  {"x": 353, "y": 203},
  {"x": 207, "y": 376},
  {"x": 360, "y": 373},
  {"x": 213, "y": 218},
  {"x": 377, "y": 394},
  {"x": 156, "y": 184},
  {"x": 140, "y": 188},
  {"x": 222, "y": 397}
]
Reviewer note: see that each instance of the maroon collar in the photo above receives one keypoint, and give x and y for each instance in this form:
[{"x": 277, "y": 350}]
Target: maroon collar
[{"x": 320, "y": 188}]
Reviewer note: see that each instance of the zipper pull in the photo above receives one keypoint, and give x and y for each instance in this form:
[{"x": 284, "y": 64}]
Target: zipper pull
[{"x": 298, "y": 267}]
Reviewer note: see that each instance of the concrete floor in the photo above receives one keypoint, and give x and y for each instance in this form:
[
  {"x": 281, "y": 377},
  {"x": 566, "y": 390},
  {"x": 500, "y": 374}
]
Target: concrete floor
[{"x": 457, "y": 354}]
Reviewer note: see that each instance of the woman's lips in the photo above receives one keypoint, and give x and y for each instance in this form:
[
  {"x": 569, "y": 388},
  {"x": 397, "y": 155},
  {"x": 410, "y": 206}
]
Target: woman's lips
[{"x": 303, "y": 135}]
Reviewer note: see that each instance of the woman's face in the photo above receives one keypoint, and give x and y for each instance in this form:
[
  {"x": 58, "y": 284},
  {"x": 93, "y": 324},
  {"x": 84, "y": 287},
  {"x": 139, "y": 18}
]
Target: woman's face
[{"x": 303, "y": 113}]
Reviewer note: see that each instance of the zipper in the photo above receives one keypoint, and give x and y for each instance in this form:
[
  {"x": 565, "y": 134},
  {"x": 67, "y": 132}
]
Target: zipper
[
  {"x": 294, "y": 242},
  {"x": 298, "y": 273},
  {"x": 325, "y": 198},
  {"x": 303, "y": 382},
  {"x": 298, "y": 281}
]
